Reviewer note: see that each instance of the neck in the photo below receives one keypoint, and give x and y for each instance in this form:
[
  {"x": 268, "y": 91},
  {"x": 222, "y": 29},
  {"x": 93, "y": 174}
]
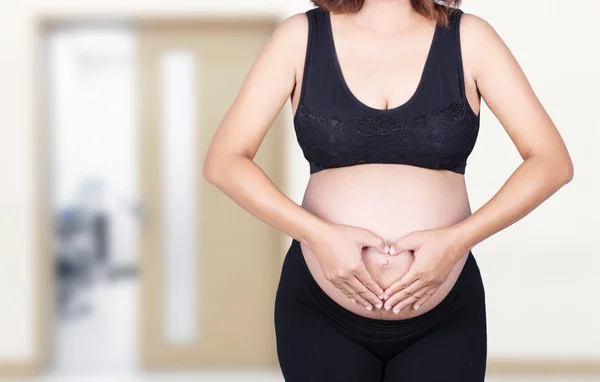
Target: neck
[{"x": 387, "y": 13}]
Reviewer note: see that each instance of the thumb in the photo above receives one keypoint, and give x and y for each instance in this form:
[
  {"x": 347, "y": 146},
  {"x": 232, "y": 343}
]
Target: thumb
[
  {"x": 369, "y": 239},
  {"x": 409, "y": 242}
]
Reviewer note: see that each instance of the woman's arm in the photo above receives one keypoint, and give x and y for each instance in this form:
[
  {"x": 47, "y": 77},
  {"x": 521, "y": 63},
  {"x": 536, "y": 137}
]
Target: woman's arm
[
  {"x": 230, "y": 167},
  {"x": 229, "y": 161},
  {"x": 546, "y": 166}
]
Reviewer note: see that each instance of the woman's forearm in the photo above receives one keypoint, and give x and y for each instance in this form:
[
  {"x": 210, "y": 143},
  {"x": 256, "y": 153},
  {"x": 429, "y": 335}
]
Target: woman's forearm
[
  {"x": 247, "y": 184},
  {"x": 532, "y": 183}
]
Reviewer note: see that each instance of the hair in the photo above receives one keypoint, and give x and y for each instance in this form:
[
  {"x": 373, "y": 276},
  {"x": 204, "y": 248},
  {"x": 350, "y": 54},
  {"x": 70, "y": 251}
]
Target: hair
[{"x": 431, "y": 9}]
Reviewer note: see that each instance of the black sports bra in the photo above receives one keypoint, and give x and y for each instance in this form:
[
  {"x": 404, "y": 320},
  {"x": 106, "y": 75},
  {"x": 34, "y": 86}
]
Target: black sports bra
[{"x": 436, "y": 128}]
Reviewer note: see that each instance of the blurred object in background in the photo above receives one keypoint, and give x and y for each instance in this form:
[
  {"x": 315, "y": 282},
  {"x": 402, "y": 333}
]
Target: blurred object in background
[
  {"x": 92, "y": 81},
  {"x": 81, "y": 243}
]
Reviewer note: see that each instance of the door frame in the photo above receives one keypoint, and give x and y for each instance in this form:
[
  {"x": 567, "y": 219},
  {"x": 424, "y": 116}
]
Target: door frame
[{"x": 164, "y": 356}]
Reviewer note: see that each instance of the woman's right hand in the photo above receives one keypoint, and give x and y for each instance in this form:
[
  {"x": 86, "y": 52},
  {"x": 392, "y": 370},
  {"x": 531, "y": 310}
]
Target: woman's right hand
[{"x": 338, "y": 249}]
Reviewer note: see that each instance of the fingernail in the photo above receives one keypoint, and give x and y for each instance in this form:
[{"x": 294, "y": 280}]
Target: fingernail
[
  {"x": 353, "y": 300},
  {"x": 397, "y": 310},
  {"x": 381, "y": 296},
  {"x": 388, "y": 307},
  {"x": 369, "y": 308},
  {"x": 385, "y": 297},
  {"x": 378, "y": 305},
  {"x": 386, "y": 249},
  {"x": 416, "y": 307}
]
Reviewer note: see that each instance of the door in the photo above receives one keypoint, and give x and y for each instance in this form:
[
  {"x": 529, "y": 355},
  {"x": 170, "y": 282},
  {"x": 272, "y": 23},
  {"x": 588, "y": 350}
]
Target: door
[{"x": 208, "y": 268}]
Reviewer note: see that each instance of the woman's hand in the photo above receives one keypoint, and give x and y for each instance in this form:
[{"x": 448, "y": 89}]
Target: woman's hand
[
  {"x": 436, "y": 252},
  {"x": 339, "y": 253}
]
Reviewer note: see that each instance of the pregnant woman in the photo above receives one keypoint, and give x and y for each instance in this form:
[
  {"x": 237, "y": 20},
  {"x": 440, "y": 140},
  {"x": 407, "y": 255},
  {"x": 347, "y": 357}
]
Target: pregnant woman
[{"x": 379, "y": 282}]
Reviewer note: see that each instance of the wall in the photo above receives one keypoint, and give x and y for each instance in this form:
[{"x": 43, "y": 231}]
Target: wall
[
  {"x": 539, "y": 275},
  {"x": 18, "y": 133}
]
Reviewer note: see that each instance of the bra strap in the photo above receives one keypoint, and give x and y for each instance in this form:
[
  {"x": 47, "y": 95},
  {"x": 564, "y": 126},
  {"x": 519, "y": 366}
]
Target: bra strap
[
  {"x": 309, "y": 51},
  {"x": 455, "y": 25}
]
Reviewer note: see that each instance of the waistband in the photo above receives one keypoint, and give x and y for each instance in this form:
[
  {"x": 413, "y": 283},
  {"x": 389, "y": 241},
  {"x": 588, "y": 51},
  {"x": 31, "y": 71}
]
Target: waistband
[{"x": 378, "y": 329}]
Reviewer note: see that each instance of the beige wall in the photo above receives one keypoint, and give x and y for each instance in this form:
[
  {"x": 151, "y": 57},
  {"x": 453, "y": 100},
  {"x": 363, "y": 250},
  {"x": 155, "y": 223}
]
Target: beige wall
[{"x": 540, "y": 275}]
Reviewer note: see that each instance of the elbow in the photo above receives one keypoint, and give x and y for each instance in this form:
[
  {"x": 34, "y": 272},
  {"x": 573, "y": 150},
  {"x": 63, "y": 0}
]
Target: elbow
[
  {"x": 217, "y": 168},
  {"x": 210, "y": 169},
  {"x": 559, "y": 169},
  {"x": 569, "y": 171},
  {"x": 564, "y": 171}
]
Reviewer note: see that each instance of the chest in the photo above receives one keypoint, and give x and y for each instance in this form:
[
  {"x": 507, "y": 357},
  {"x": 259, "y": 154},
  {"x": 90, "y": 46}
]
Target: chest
[
  {"x": 441, "y": 138},
  {"x": 382, "y": 73}
]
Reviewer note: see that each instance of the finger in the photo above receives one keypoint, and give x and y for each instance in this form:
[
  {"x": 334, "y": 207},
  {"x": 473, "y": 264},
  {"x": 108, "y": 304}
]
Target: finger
[
  {"x": 369, "y": 239},
  {"x": 404, "y": 294},
  {"x": 365, "y": 278},
  {"x": 408, "y": 279},
  {"x": 355, "y": 297},
  {"x": 365, "y": 293},
  {"x": 398, "y": 308},
  {"x": 409, "y": 242},
  {"x": 347, "y": 291},
  {"x": 416, "y": 296},
  {"x": 430, "y": 292}
]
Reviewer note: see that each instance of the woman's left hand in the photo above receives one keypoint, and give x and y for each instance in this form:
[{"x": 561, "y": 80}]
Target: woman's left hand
[{"x": 436, "y": 252}]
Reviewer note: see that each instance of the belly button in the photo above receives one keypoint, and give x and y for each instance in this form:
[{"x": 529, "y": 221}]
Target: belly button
[{"x": 385, "y": 261}]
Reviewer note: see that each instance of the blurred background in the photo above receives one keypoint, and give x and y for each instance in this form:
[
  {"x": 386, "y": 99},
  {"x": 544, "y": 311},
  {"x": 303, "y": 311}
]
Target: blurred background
[{"x": 119, "y": 262}]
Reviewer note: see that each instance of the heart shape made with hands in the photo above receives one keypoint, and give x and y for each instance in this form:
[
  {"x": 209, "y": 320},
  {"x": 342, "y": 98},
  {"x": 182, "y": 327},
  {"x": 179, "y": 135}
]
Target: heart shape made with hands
[
  {"x": 414, "y": 267},
  {"x": 386, "y": 269}
]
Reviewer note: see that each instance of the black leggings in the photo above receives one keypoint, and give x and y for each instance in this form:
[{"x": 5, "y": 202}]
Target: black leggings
[{"x": 319, "y": 341}]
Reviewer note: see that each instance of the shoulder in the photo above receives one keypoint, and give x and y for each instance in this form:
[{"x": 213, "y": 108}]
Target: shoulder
[
  {"x": 293, "y": 30},
  {"x": 476, "y": 33},
  {"x": 288, "y": 41},
  {"x": 479, "y": 40},
  {"x": 475, "y": 27}
]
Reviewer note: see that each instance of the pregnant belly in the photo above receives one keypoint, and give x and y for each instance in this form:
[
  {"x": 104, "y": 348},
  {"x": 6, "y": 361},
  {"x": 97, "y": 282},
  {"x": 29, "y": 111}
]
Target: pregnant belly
[{"x": 390, "y": 201}]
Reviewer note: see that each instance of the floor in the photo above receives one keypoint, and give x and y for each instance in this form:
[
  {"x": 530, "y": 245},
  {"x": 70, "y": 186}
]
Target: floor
[
  {"x": 252, "y": 376},
  {"x": 104, "y": 337}
]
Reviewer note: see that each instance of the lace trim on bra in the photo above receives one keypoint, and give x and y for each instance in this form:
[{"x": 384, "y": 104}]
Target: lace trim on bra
[{"x": 435, "y": 140}]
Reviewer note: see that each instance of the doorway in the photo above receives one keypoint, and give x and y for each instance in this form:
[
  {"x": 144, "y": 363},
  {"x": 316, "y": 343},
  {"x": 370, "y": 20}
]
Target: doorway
[
  {"x": 94, "y": 151},
  {"x": 145, "y": 249}
]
